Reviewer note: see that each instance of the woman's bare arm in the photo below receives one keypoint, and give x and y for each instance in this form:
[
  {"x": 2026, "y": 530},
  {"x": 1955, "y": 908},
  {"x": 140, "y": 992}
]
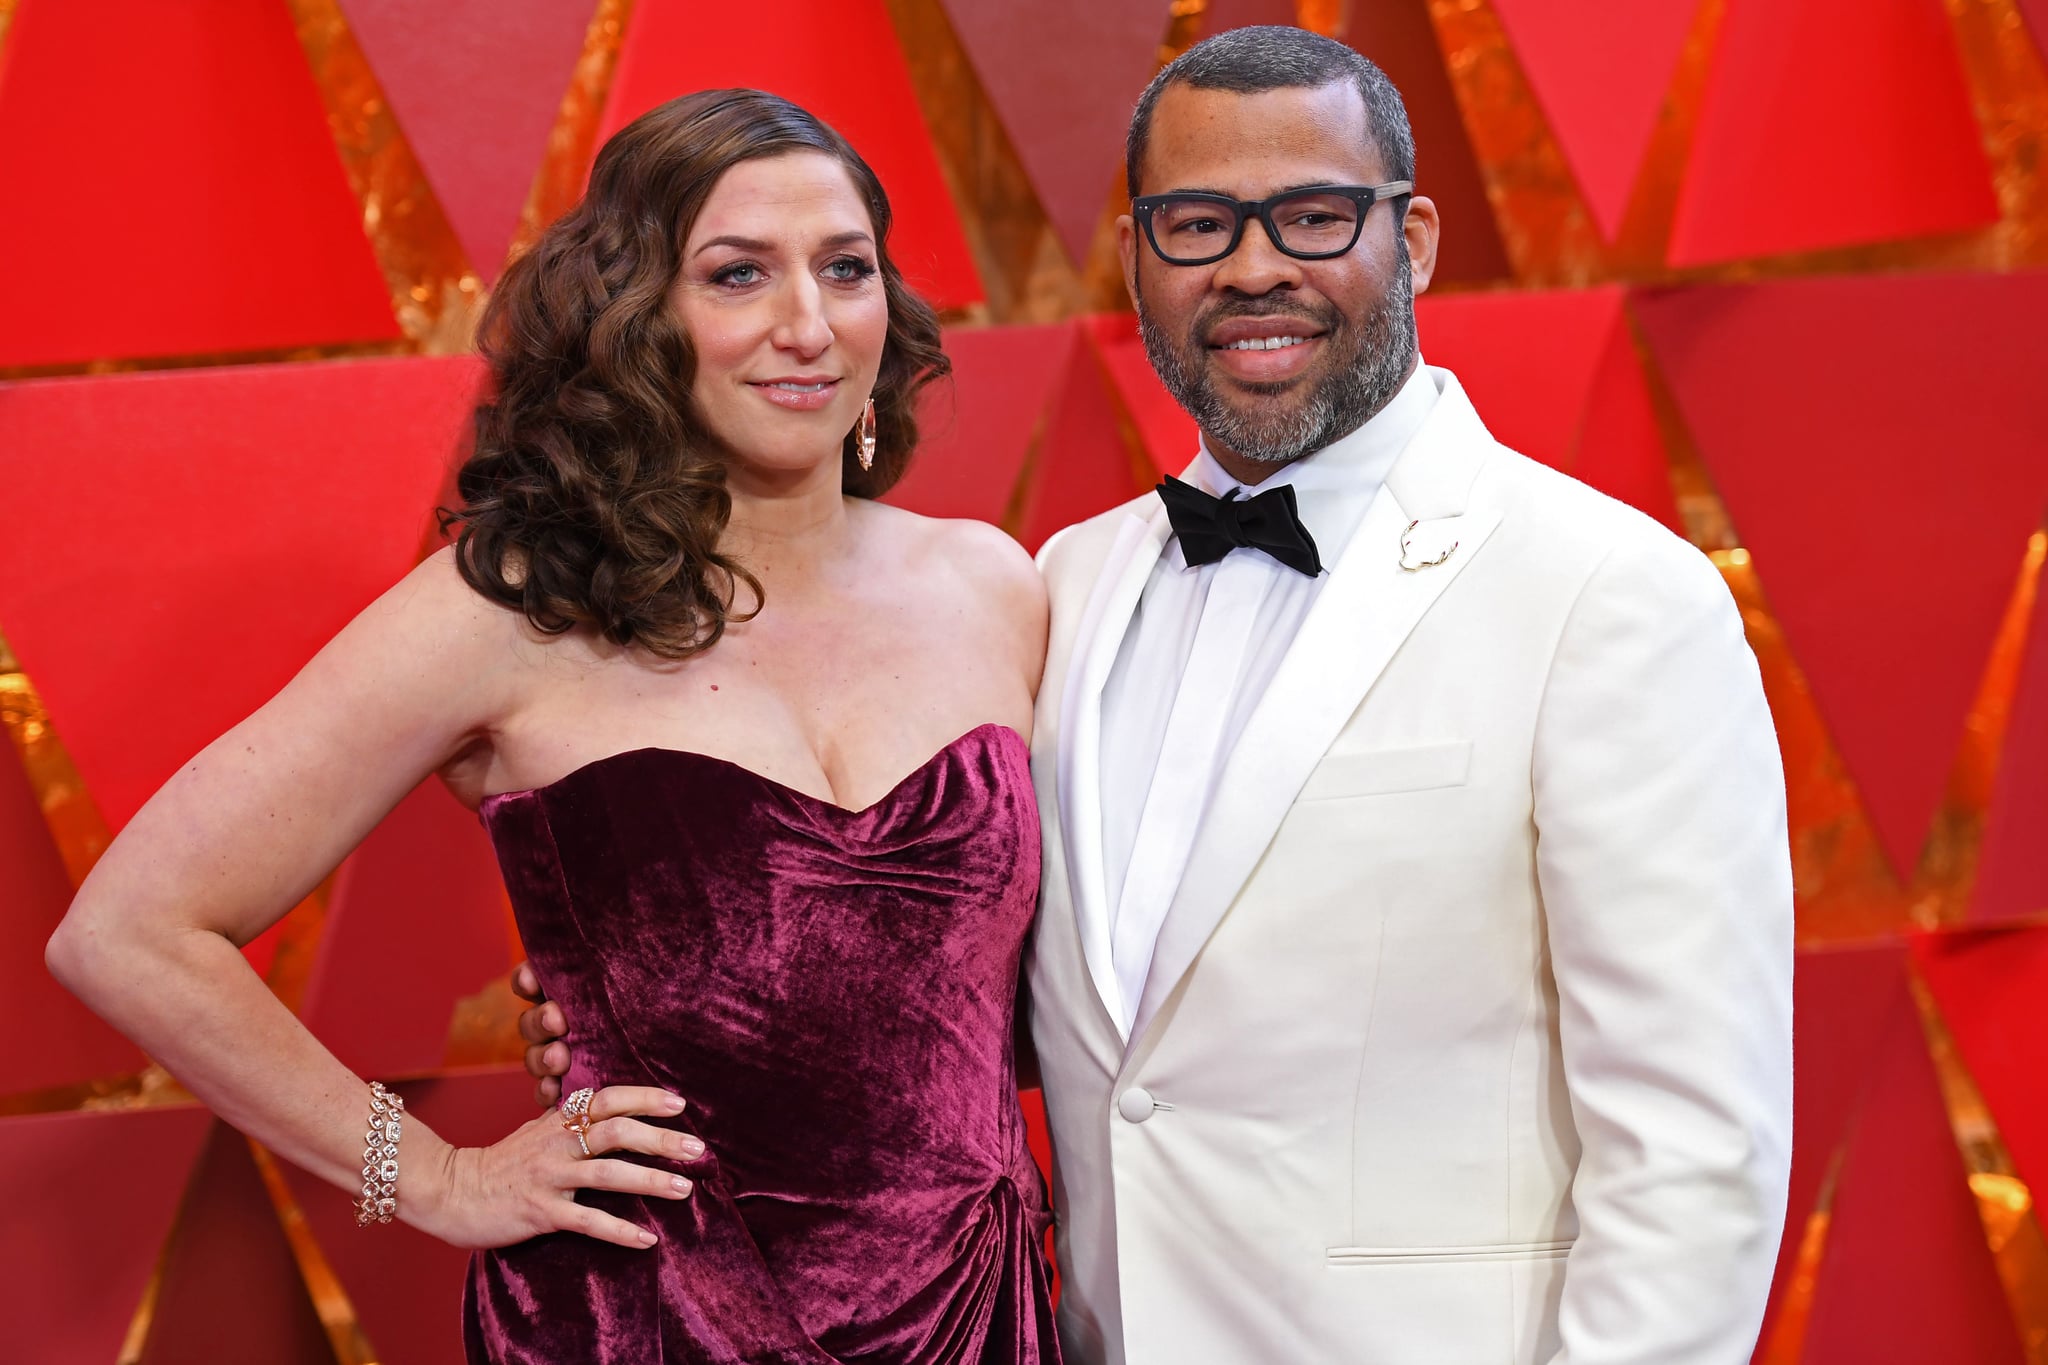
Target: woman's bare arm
[{"x": 247, "y": 829}]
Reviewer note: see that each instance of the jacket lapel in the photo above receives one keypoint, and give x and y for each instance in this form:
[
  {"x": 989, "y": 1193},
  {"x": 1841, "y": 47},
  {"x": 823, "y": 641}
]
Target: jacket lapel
[
  {"x": 1101, "y": 632},
  {"x": 1364, "y": 612}
]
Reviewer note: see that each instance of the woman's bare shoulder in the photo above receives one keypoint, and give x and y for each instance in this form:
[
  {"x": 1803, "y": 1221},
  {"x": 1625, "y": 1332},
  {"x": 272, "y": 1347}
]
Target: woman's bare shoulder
[
  {"x": 983, "y": 559},
  {"x": 434, "y": 608}
]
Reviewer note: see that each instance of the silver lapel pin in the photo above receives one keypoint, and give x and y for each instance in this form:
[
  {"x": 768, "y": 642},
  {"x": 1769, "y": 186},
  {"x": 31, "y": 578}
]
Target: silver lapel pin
[{"x": 1421, "y": 563}]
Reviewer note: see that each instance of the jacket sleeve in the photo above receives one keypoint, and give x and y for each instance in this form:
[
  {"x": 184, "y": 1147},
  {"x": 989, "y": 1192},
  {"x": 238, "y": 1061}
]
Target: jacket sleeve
[{"x": 1667, "y": 893}]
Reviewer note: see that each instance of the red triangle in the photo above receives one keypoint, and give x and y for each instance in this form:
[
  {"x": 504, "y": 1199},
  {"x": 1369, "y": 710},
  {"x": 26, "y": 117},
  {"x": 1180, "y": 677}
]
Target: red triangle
[
  {"x": 72, "y": 1045},
  {"x": 1528, "y": 360},
  {"x": 215, "y": 216},
  {"x": 1829, "y": 123},
  {"x": 1063, "y": 75},
  {"x": 1554, "y": 375},
  {"x": 1169, "y": 434},
  {"x": 183, "y": 541},
  {"x": 1990, "y": 986},
  {"x": 1038, "y": 1137},
  {"x": 428, "y": 878},
  {"x": 1600, "y": 71},
  {"x": 2036, "y": 15},
  {"x": 975, "y": 429},
  {"x": 1842, "y": 1000},
  {"x": 1399, "y": 37},
  {"x": 1878, "y": 442},
  {"x": 1621, "y": 449},
  {"x": 1083, "y": 467},
  {"x": 1907, "y": 1274},
  {"x": 231, "y": 1291},
  {"x": 838, "y": 59},
  {"x": 89, "y": 1198},
  {"x": 475, "y": 85},
  {"x": 1224, "y": 15},
  {"x": 2012, "y": 871},
  {"x": 405, "y": 1285}
]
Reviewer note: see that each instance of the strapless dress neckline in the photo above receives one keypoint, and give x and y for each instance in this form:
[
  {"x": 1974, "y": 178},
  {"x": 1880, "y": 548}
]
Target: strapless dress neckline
[{"x": 897, "y": 788}]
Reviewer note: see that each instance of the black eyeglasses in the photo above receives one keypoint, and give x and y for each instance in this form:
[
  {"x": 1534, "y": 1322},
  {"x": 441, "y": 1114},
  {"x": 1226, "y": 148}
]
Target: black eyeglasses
[{"x": 1311, "y": 224}]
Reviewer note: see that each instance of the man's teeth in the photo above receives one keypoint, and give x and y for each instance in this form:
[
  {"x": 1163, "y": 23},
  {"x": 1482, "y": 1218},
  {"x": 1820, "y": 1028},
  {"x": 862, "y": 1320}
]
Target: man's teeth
[
  {"x": 801, "y": 388},
  {"x": 1264, "y": 343}
]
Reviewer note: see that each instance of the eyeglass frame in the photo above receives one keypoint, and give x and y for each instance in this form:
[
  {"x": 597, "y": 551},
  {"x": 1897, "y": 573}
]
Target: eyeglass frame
[{"x": 1365, "y": 196}]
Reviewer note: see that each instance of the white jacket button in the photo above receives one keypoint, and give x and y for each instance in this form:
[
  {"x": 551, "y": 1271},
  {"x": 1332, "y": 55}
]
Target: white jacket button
[{"x": 1135, "y": 1104}]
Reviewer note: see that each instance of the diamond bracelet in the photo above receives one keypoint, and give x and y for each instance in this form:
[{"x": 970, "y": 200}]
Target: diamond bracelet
[{"x": 380, "y": 1158}]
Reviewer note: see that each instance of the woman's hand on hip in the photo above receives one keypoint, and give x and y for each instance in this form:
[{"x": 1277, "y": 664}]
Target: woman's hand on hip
[{"x": 527, "y": 1184}]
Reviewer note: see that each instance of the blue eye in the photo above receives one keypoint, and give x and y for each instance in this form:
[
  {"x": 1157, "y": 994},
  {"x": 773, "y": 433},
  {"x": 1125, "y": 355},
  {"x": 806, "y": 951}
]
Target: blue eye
[
  {"x": 732, "y": 274},
  {"x": 850, "y": 269}
]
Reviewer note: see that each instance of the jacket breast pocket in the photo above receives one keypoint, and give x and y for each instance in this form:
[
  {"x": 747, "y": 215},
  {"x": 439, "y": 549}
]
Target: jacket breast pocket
[{"x": 1379, "y": 772}]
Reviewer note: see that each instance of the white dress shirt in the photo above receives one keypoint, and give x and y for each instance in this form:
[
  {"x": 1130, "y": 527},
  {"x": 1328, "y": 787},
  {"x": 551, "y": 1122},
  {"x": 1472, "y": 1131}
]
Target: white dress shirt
[{"x": 1200, "y": 650}]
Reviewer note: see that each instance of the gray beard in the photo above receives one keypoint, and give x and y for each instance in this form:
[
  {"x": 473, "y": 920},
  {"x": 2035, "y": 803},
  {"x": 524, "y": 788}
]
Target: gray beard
[{"x": 1381, "y": 351}]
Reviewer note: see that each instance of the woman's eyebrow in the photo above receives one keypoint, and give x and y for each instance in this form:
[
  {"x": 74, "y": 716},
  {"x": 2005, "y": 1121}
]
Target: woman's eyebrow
[
  {"x": 743, "y": 243},
  {"x": 838, "y": 239}
]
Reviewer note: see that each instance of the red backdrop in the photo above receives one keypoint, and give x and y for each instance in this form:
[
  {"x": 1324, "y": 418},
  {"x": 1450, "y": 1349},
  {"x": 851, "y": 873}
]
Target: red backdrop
[{"x": 1771, "y": 270}]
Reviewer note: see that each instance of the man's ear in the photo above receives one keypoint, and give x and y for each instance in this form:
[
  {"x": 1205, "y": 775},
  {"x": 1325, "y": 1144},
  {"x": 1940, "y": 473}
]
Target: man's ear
[
  {"x": 1419, "y": 232},
  {"x": 1127, "y": 252}
]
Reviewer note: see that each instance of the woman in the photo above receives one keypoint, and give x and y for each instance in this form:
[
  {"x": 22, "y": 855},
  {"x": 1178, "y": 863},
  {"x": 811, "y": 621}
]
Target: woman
[{"x": 751, "y": 748}]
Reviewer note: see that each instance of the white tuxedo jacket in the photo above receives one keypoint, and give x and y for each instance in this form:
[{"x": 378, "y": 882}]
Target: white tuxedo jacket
[{"x": 1468, "y": 1036}]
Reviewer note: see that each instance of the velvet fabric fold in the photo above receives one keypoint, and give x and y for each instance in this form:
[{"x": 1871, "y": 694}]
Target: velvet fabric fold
[{"x": 832, "y": 992}]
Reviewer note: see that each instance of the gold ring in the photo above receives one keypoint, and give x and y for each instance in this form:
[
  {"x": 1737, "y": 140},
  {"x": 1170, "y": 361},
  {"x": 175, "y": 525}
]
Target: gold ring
[{"x": 576, "y": 1116}]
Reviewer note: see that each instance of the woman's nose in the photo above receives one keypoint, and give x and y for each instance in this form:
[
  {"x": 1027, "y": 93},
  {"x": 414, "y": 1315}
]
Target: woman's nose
[{"x": 803, "y": 327}]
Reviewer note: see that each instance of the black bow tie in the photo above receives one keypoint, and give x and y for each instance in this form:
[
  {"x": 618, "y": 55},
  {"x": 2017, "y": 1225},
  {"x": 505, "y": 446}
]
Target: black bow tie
[{"x": 1210, "y": 528}]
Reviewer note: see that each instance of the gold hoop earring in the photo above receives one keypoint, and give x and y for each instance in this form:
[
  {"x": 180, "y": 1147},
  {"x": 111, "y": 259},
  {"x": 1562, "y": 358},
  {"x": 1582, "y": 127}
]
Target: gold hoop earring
[{"x": 867, "y": 437}]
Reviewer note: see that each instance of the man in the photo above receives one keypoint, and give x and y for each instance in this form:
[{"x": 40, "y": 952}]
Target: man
[{"x": 1412, "y": 982}]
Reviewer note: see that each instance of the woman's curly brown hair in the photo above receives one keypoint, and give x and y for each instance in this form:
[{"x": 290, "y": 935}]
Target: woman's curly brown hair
[{"x": 594, "y": 495}]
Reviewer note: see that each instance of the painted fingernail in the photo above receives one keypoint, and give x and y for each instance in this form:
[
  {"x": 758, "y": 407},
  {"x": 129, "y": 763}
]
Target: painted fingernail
[
  {"x": 674, "y": 1104},
  {"x": 680, "y": 1185},
  {"x": 691, "y": 1148},
  {"x": 647, "y": 1239}
]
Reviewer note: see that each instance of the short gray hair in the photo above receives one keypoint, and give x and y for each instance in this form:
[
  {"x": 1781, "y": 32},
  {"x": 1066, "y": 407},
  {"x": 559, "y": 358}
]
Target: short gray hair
[{"x": 1250, "y": 61}]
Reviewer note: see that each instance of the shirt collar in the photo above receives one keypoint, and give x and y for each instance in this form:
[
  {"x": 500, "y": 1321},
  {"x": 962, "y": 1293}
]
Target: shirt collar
[{"x": 1334, "y": 485}]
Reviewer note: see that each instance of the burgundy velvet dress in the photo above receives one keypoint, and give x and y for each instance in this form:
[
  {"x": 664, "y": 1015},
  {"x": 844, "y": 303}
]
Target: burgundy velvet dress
[{"x": 832, "y": 992}]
